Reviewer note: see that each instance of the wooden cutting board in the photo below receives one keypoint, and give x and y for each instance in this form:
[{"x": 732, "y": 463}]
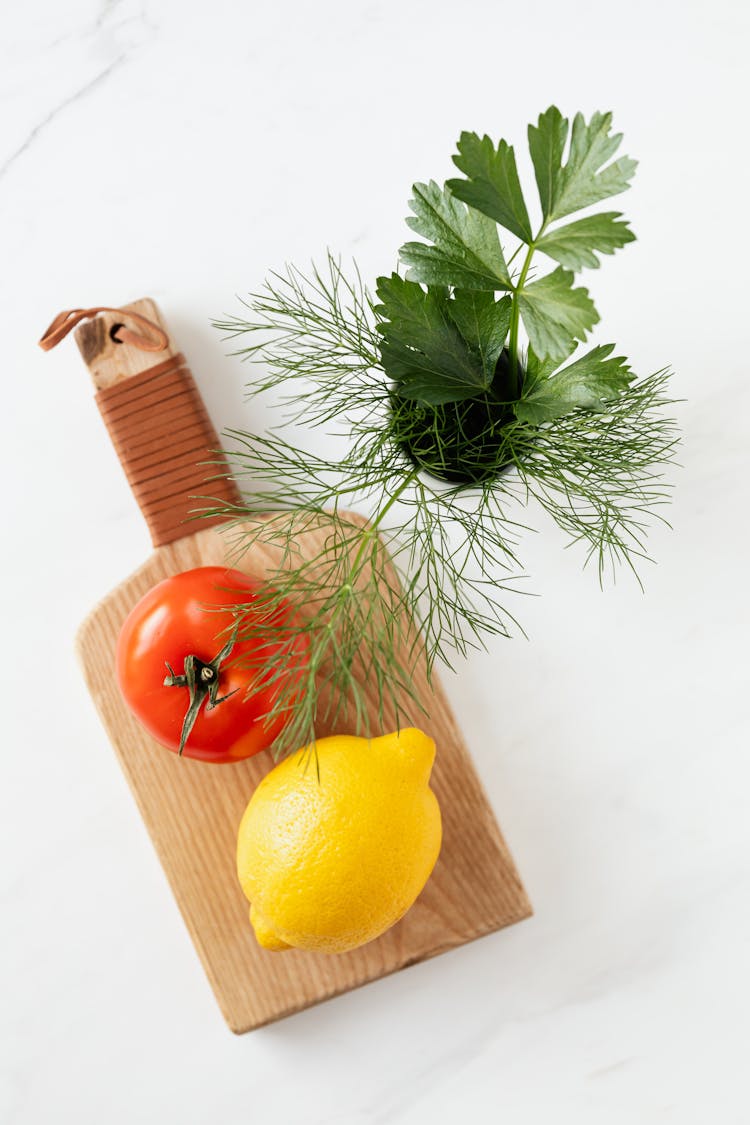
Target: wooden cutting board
[{"x": 192, "y": 810}]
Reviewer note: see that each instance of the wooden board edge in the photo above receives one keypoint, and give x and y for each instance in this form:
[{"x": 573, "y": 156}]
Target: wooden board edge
[{"x": 438, "y": 951}]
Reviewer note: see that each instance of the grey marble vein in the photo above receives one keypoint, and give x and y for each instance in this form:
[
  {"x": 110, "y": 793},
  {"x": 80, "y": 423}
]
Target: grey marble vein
[{"x": 42, "y": 125}]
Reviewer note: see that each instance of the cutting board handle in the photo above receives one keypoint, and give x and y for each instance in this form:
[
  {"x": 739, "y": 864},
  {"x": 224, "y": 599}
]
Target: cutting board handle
[{"x": 158, "y": 423}]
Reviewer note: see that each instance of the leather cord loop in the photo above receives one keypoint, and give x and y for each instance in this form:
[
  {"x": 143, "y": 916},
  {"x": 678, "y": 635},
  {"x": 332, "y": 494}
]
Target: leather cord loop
[{"x": 154, "y": 340}]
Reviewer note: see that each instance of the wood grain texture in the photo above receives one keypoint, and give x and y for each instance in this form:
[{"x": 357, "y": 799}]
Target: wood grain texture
[{"x": 192, "y": 809}]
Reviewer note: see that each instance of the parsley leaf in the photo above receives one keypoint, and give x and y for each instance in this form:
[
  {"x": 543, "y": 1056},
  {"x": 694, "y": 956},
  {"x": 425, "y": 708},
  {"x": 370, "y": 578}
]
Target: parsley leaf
[
  {"x": 588, "y": 383},
  {"x": 582, "y": 180},
  {"x": 546, "y": 145},
  {"x": 491, "y": 185},
  {"x": 483, "y": 324},
  {"x": 466, "y": 250},
  {"x": 536, "y": 369},
  {"x": 576, "y": 245},
  {"x": 424, "y": 349},
  {"x": 554, "y": 313},
  {"x": 445, "y": 345}
]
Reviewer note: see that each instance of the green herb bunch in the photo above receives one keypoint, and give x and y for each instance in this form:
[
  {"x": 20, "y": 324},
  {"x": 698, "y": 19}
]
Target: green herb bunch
[{"x": 453, "y": 424}]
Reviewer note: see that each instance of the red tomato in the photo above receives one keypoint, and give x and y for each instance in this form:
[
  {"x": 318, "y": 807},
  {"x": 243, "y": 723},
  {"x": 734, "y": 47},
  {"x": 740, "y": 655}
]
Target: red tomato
[{"x": 181, "y": 631}]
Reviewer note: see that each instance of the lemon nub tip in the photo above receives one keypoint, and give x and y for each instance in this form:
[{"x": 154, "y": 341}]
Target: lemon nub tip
[
  {"x": 265, "y": 935},
  {"x": 413, "y": 745}
]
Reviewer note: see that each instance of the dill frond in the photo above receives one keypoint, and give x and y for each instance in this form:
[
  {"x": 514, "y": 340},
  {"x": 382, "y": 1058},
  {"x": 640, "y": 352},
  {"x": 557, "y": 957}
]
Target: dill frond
[{"x": 433, "y": 565}]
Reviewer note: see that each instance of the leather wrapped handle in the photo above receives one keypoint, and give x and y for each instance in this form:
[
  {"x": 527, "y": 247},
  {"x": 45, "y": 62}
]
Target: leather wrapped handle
[{"x": 156, "y": 418}]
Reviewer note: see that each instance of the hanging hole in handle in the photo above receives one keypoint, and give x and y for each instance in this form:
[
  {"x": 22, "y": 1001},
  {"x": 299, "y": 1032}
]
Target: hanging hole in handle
[{"x": 113, "y": 332}]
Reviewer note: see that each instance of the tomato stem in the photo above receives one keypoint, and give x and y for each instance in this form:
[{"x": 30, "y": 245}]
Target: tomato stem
[{"x": 201, "y": 678}]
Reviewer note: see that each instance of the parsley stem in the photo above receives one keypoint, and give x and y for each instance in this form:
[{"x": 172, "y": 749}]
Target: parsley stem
[
  {"x": 515, "y": 254},
  {"x": 514, "y": 318},
  {"x": 515, "y": 314}
]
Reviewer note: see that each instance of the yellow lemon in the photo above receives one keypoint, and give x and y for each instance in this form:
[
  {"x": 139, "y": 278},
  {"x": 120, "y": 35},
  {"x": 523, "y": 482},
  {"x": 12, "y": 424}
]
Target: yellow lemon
[{"x": 330, "y": 862}]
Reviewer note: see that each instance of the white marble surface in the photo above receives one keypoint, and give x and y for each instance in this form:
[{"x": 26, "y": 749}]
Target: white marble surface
[{"x": 179, "y": 149}]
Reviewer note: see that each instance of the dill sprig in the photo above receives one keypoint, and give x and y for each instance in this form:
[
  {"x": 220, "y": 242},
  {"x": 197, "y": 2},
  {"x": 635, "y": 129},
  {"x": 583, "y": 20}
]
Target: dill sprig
[
  {"x": 451, "y": 430},
  {"x": 314, "y": 327}
]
